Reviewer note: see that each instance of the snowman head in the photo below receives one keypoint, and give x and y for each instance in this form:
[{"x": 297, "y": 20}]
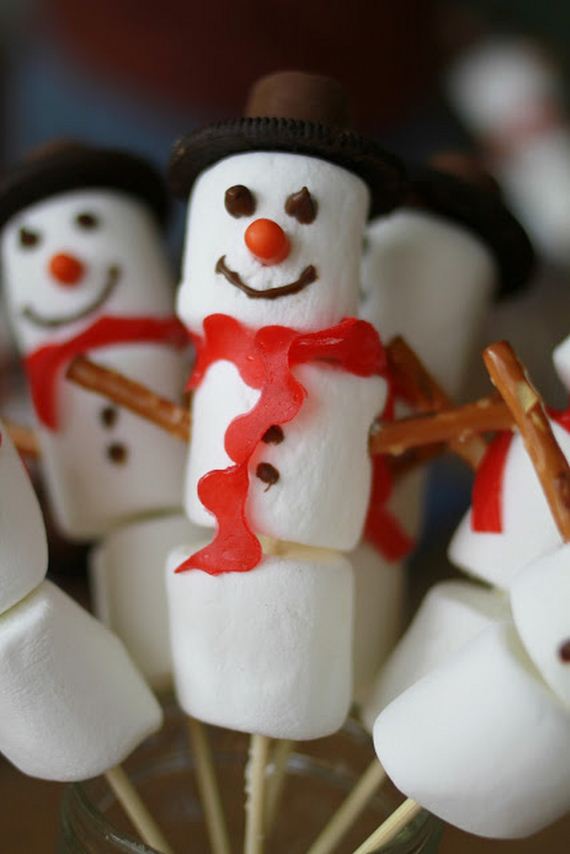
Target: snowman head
[
  {"x": 74, "y": 254},
  {"x": 277, "y": 207}
]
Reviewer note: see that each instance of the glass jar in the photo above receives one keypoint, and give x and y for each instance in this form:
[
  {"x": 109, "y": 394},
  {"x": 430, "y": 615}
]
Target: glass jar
[{"x": 319, "y": 776}]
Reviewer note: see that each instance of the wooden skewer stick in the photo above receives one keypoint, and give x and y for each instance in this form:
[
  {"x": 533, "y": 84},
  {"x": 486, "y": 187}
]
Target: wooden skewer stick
[
  {"x": 351, "y": 808},
  {"x": 24, "y": 438},
  {"x": 131, "y": 395},
  {"x": 527, "y": 407},
  {"x": 136, "y": 810},
  {"x": 281, "y": 753},
  {"x": 387, "y": 831},
  {"x": 255, "y": 795},
  {"x": 208, "y": 787}
]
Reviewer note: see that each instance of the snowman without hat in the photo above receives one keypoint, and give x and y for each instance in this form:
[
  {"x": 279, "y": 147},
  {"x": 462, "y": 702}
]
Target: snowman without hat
[
  {"x": 287, "y": 385},
  {"x": 84, "y": 271}
]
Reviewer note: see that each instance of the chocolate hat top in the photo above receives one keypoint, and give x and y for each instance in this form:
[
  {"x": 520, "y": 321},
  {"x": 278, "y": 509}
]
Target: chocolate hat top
[
  {"x": 64, "y": 165},
  {"x": 461, "y": 191},
  {"x": 299, "y": 113}
]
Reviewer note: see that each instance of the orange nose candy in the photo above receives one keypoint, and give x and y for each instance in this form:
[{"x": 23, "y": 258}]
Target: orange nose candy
[
  {"x": 66, "y": 269},
  {"x": 267, "y": 241}
]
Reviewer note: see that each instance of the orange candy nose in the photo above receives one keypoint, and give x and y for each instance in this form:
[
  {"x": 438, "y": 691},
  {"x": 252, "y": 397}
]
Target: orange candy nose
[
  {"x": 67, "y": 269},
  {"x": 267, "y": 241}
]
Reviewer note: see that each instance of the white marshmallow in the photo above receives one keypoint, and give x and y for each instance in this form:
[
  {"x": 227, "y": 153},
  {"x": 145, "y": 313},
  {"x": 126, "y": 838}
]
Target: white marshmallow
[
  {"x": 323, "y": 462},
  {"x": 72, "y": 704},
  {"x": 89, "y": 492},
  {"x": 452, "y": 614},
  {"x": 528, "y": 527},
  {"x": 23, "y": 543},
  {"x": 431, "y": 281},
  {"x": 540, "y": 600},
  {"x": 127, "y": 579},
  {"x": 561, "y": 359},
  {"x": 481, "y": 742},
  {"x": 332, "y": 243},
  {"x": 267, "y": 651}
]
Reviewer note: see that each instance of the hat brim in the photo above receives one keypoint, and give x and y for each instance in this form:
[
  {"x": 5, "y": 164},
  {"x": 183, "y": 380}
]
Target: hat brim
[
  {"x": 382, "y": 172},
  {"x": 81, "y": 167},
  {"x": 484, "y": 213}
]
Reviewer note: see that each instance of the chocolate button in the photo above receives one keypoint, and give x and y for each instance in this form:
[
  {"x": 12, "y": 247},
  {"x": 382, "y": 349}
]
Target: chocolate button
[
  {"x": 109, "y": 416},
  {"x": 564, "y": 651},
  {"x": 117, "y": 453},
  {"x": 274, "y": 435},
  {"x": 267, "y": 474}
]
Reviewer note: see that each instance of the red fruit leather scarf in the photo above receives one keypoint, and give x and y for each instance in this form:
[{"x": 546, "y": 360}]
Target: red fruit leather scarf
[
  {"x": 264, "y": 359},
  {"x": 487, "y": 495},
  {"x": 44, "y": 365}
]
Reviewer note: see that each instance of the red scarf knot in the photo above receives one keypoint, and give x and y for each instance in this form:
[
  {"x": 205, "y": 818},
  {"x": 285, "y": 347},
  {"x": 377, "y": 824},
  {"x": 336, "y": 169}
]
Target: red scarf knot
[
  {"x": 44, "y": 365},
  {"x": 264, "y": 359}
]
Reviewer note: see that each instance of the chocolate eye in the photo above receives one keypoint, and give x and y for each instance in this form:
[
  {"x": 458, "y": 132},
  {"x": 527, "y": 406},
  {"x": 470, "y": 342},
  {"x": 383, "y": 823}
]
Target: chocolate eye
[
  {"x": 28, "y": 238},
  {"x": 87, "y": 220},
  {"x": 302, "y": 206},
  {"x": 239, "y": 201}
]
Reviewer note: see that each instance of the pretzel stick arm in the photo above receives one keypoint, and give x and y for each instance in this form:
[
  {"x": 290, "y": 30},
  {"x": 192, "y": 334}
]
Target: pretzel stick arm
[
  {"x": 24, "y": 438},
  {"x": 527, "y": 407},
  {"x": 131, "y": 395}
]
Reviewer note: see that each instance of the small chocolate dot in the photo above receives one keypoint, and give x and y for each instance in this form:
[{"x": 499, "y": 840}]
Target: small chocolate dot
[
  {"x": 564, "y": 651},
  {"x": 28, "y": 237},
  {"x": 267, "y": 474},
  {"x": 239, "y": 201},
  {"x": 302, "y": 206},
  {"x": 274, "y": 435},
  {"x": 117, "y": 453},
  {"x": 109, "y": 416}
]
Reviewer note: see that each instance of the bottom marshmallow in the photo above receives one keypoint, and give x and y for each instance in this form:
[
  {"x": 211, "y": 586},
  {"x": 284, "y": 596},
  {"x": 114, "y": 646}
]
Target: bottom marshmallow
[
  {"x": 481, "y": 742},
  {"x": 72, "y": 703},
  {"x": 267, "y": 651},
  {"x": 127, "y": 579}
]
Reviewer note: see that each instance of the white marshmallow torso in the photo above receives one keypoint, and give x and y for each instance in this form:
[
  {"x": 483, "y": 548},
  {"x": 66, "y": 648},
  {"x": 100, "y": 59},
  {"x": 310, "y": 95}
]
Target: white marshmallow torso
[
  {"x": 431, "y": 281},
  {"x": 89, "y": 492},
  {"x": 528, "y": 528},
  {"x": 323, "y": 462},
  {"x": 267, "y": 651},
  {"x": 451, "y": 615},
  {"x": 332, "y": 243},
  {"x": 540, "y": 600},
  {"x": 128, "y": 586},
  {"x": 481, "y": 742},
  {"x": 23, "y": 542},
  {"x": 72, "y": 704}
]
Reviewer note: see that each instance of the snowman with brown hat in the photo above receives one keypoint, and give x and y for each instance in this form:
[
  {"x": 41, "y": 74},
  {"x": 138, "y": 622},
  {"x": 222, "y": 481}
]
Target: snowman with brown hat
[
  {"x": 286, "y": 387},
  {"x": 85, "y": 271}
]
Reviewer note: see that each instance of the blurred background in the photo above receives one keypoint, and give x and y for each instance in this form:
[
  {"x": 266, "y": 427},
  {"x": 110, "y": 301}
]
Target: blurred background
[{"x": 489, "y": 77}]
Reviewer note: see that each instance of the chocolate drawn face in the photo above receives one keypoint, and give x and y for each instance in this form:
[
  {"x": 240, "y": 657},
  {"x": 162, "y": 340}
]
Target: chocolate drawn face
[
  {"x": 71, "y": 257},
  {"x": 273, "y": 237}
]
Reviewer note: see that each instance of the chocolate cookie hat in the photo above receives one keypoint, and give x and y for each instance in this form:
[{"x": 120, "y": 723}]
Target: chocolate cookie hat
[
  {"x": 456, "y": 188},
  {"x": 299, "y": 113},
  {"x": 65, "y": 165}
]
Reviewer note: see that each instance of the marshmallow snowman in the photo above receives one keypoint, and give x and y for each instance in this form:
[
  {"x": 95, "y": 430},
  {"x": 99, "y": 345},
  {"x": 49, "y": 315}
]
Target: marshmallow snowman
[
  {"x": 287, "y": 386},
  {"x": 511, "y": 98},
  {"x": 323, "y": 452},
  {"x": 72, "y": 704},
  {"x": 86, "y": 265},
  {"x": 509, "y": 523}
]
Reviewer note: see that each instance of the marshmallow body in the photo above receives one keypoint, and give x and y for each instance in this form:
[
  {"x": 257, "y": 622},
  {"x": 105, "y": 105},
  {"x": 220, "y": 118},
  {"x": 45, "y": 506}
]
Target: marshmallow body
[
  {"x": 103, "y": 465},
  {"x": 266, "y": 651},
  {"x": 72, "y": 705},
  {"x": 451, "y": 615},
  {"x": 491, "y": 753},
  {"x": 23, "y": 543},
  {"x": 331, "y": 243},
  {"x": 321, "y": 496},
  {"x": 540, "y": 601},
  {"x": 528, "y": 529},
  {"x": 431, "y": 281},
  {"x": 128, "y": 584}
]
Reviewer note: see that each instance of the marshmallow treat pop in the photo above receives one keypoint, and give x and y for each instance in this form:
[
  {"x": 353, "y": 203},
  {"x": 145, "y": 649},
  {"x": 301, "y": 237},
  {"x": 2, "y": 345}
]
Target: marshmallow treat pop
[
  {"x": 482, "y": 762},
  {"x": 286, "y": 389},
  {"x": 72, "y": 704},
  {"x": 85, "y": 272}
]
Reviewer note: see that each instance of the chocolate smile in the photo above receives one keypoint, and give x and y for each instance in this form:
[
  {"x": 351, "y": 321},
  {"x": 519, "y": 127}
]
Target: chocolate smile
[
  {"x": 113, "y": 276},
  {"x": 307, "y": 277}
]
